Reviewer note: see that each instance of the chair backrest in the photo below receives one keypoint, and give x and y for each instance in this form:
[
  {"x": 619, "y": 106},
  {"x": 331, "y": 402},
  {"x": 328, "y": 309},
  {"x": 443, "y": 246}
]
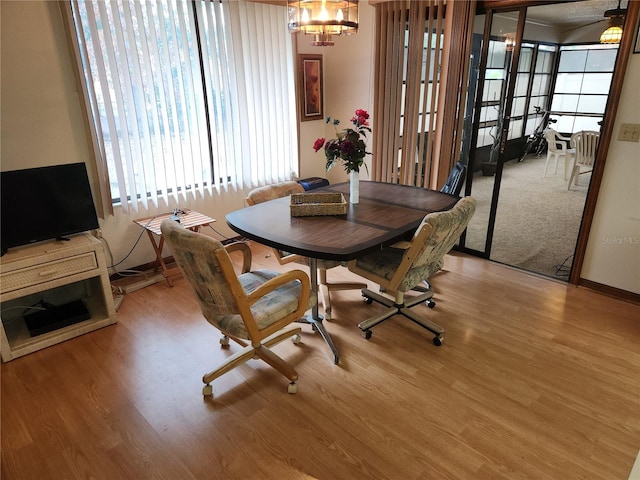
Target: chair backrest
[
  {"x": 207, "y": 267},
  {"x": 434, "y": 238},
  {"x": 585, "y": 144},
  {"x": 554, "y": 144},
  {"x": 271, "y": 192},
  {"x": 453, "y": 185},
  {"x": 444, "y": 230}
]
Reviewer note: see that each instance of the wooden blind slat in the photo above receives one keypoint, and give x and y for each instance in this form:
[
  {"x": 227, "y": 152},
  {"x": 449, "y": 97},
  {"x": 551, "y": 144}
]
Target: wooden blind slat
[{"x": 423, "y": 149}]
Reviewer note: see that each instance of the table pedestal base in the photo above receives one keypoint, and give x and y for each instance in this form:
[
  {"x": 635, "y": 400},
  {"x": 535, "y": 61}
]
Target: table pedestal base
[
  {"x": 315, "y": 319},
  {"x": 318, "y": 326}
]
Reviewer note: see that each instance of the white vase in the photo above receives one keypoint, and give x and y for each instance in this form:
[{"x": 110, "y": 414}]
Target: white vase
[{"x": 354, "y": 187}]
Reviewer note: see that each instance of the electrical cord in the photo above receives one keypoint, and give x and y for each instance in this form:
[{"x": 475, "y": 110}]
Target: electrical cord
[
  {"x": 224, "y": 237},
  {"x": 129, "y": 272},
  {"x": 40, "y": 305},
  {"x": 135, "y": 244}
]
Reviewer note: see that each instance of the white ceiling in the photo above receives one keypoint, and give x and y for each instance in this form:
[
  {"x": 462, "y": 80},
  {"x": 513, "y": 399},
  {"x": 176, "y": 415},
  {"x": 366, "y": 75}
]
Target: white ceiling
[{"x": 574, "y": 14}]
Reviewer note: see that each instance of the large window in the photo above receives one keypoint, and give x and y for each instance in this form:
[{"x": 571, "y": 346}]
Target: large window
[
  {"x": 582, "y": 86},
  {"x": 579, "y": 95},
  {"x": 188, "y": 97},
  {"x": 492, "y": 95},
  {"x": 533, "y": 83},
  {"x": 543, "y": 58}
]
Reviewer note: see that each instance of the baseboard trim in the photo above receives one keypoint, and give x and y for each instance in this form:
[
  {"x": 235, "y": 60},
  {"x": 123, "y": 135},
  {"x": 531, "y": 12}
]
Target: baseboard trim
[
  {"x": 145, "y": 267},
  {"x": 610, "y": 291}
]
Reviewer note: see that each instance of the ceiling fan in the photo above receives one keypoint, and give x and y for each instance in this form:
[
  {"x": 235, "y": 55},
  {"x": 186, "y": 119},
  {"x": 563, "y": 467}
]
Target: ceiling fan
[
  {"x": 615, "y": 17},
  {"x": 613, "y": 34}
]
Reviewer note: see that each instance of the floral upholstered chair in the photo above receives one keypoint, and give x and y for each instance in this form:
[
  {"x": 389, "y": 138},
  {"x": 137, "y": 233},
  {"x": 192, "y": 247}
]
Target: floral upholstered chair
[
  {"x": 271, "y": 192},
  {"x": 399, "y": 268},
  {"x": 279, "y": 190},
  {"x": 252, "y": 308}
]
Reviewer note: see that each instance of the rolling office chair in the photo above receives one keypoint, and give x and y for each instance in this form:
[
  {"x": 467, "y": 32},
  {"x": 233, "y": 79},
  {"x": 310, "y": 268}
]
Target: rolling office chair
[
  {"x": 398, "y": 270},
  {"x": 271, "y": 192},
  {"x": 585, "y": 145},
  {"x": 453, "y": 186},
  {"x": 258, "y": 306}
]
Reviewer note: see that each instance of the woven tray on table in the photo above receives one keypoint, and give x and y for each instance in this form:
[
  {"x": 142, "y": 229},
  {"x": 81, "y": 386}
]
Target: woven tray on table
[{"x": 309, "y": 204}]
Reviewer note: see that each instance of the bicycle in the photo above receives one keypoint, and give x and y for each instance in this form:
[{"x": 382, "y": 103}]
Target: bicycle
[{"x": 536, "y": 142}]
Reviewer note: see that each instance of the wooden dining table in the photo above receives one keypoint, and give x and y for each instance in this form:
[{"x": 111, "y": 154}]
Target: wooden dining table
[{"x": 385, "y": 214}]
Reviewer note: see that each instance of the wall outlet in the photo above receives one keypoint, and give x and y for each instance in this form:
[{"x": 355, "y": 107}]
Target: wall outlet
[{"x": 629, "y": 132}]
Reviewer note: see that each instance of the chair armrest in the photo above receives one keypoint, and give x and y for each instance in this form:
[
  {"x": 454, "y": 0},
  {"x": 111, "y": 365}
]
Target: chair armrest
[
  {"x": 246, "y": 254},
  {"x": 401, "y": 245},
  {"x": 286, "y": 257},
  {"x": 280, "y": 280},
  {"x": 303, "y": 303},
  {"x": 272, "y": 284}
]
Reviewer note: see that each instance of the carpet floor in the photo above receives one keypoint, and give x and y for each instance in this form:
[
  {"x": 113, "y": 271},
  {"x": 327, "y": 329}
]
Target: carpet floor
[{"x": 537, "y": 219}]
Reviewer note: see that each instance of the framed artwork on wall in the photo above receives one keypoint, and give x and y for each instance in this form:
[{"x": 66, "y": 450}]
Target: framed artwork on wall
[
  {"x": 636, "y": 45},
  {"x": 311, "y": 94}
]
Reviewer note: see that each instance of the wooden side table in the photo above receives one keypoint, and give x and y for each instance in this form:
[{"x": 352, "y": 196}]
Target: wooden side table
[{"x": 189, "y": 219}]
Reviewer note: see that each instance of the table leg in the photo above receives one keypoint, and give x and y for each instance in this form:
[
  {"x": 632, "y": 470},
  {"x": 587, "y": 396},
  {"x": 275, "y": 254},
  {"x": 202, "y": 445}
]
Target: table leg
[
  {"x": 313, "y": 274},
  {"x": 315, "y": 319},
  {"x": 157, "y": 247}
]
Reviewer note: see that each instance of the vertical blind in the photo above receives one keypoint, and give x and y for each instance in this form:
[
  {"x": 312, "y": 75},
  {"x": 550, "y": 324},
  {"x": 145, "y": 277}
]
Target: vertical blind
[
  {"x": 186, "y": 99},
  {"x": 422, "y": 51}
]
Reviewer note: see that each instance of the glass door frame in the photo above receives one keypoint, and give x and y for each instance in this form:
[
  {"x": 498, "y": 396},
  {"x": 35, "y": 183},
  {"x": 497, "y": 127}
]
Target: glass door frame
[
  {"x": 506, "y": 101},
  {"x": 606, "y": 135},
  {"x": 611, "y": 111}
]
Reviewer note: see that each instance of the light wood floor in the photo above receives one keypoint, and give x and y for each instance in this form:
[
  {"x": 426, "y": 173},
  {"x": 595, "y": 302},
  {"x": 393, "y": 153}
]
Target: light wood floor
[{"x": 536, "y": 379}]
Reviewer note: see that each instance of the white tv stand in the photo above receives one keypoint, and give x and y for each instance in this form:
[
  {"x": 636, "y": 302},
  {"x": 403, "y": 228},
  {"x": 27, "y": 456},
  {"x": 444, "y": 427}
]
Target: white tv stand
[{"x": 56, "y": 272}]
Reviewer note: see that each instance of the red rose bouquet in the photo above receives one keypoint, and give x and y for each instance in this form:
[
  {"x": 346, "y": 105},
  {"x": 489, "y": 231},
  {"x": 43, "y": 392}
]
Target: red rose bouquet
[{"x": 349, "y": 145}]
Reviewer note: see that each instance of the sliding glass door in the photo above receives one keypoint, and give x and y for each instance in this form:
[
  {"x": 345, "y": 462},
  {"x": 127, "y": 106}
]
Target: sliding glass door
[
  {"x": 524, "y": 81},
  {"x": 494, "y": 93}
]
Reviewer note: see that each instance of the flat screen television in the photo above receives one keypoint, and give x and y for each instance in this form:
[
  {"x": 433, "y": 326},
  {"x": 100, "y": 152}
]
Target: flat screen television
[{"x": 45, "y": 203}]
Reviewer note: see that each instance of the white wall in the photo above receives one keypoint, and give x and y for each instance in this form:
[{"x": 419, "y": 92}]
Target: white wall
[
  {"x": 613, "y": 251},
  {"x": 41, "y": 117},
  {"x": 348, "y": 86},
  {"x": 41, "y": 125}
]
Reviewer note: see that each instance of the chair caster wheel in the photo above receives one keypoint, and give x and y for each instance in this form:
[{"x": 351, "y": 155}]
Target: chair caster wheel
[
  {"x": 367, "y": 300},
  {"x": 296, "y": 339},
  {"x": 207, "y": 390},
  {"x": 293, "y": 387},
  {"x": 437, "y": 341},
  {"x": 367, "y": 334},
  {"x": 224, "y": 342},
  {"x": 430, "y": 303}
]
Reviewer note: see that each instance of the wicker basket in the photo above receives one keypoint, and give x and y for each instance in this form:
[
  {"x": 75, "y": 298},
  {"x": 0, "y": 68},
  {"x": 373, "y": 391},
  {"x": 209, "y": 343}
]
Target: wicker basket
[{"x": 310, "y": 204}]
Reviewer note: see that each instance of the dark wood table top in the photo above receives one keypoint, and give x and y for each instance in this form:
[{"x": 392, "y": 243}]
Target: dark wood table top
[{"x": 386, "y": 213}]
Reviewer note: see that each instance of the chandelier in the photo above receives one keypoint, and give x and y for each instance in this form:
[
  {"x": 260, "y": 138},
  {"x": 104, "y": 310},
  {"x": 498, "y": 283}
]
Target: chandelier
[
  {"x": 613, "y": 34},
  {"x": 323, "y": 18}
]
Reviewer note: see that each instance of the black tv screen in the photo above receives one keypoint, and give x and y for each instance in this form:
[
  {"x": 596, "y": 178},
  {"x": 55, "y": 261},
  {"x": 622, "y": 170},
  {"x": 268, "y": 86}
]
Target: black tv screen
[{"x": 45, "y": 203}]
